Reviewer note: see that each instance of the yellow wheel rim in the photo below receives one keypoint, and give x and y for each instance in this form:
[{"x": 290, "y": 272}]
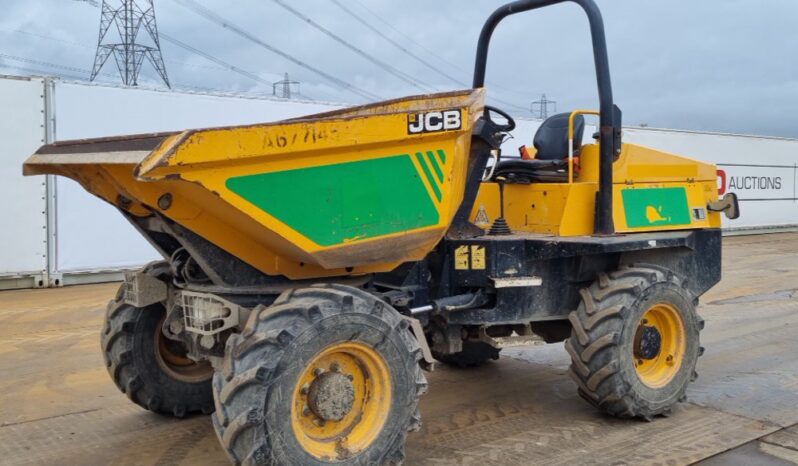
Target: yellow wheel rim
[
  {"x": 341, "y": 401},
  {"x": 656, "y": 365}
]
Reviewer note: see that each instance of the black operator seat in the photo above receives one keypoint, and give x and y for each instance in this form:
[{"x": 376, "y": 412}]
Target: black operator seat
[{"x": 551, "y": 160}]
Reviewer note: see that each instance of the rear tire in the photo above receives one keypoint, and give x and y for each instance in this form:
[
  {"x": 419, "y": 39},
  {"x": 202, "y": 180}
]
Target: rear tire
[
  {"x": 155, "y": 378},
  {"x": 282, "y": 396},
  {"x": 612, "y": 368}
]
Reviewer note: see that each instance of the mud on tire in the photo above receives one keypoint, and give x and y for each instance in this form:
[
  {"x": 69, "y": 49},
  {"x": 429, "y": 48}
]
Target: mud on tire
[
  {"x": 255, "y": 389},
  {"x": 604, "y": 331},
  {"x": 130, "y": 348}
]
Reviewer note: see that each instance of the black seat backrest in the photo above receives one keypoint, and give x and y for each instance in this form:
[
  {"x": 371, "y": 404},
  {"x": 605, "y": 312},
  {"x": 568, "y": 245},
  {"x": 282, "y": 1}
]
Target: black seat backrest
[{"x": 551, "y": 139}]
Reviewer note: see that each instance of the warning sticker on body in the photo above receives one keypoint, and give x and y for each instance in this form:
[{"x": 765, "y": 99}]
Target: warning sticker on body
[
  {"x": 482, "y": 217},
  {"x": 469, "y": 257},
  {"x": 461, "y": 258},
  {"x": 477, "y": 257}
]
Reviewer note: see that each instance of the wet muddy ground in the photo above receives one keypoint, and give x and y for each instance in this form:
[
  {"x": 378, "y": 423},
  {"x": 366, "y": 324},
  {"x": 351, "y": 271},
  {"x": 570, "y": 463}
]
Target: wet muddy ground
[{"x": 58, "y": 405}]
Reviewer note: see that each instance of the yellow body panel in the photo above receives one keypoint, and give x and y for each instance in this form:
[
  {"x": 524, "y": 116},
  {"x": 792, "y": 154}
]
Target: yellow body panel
[
  {"x": 564, "y": 209},
  {"x": 194, "y": 169}
]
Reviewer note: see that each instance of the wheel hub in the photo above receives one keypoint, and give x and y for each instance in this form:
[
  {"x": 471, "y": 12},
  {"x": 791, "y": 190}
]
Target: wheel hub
[
  {"x": 172, "y": 358},
  {"x": 341, "y": 400},
  {"x": 660, "y": 345},
  {"x": 331, "y": 396},
  {"x": 648, "y": 342}
]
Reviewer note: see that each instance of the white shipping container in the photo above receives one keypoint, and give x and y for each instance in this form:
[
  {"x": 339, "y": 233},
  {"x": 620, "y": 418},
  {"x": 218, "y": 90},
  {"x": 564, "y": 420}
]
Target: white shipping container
[{"x": 23, "y": 236}]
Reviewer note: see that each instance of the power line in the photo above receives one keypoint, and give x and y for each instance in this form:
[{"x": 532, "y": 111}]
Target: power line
[
  {"x": 405, "y": 50},
  {"x": 223, "y": 65},
  {"x": 408, "y": 37},
  {"x": 93, "y": 47},
  {"x": 47, "y": 64},
  {"x": 386, "y": 67},
  {"x": 319, "y": 27},
  {"x": 85, "y": 72},
  {"x": 36, "y": 71},
  {"x": 396, "y": 44},
  {"x": 432, "y": 53},
  {"x": 508, "y": 104},
  {"x": 213, "y": 17},
  {"x": 218, "y": 61},
  {"x": 55, "y": 39}
]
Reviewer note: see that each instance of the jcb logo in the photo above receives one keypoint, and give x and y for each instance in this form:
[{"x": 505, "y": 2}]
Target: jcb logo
[{"x": 429, "y": 122}]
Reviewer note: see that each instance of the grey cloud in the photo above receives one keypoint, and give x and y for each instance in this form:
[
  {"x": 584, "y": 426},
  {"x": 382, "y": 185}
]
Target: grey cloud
[{"x": 715, "y": 65}]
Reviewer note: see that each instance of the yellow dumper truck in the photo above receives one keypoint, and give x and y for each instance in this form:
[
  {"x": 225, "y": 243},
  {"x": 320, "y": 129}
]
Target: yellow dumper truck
[{"x": 313, "y": 267}]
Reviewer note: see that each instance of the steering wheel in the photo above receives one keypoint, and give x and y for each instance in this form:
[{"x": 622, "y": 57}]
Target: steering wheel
[{"x": 507, "y": 127}]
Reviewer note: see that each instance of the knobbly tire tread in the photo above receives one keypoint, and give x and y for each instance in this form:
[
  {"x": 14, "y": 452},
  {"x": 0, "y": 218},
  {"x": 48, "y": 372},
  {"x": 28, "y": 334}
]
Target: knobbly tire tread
[
  {"x": 135, "y": 370},
  {"x": 254, "y": 363},
  {"x": 609, "y": 309},
  {"x": 474, "y": 354}
]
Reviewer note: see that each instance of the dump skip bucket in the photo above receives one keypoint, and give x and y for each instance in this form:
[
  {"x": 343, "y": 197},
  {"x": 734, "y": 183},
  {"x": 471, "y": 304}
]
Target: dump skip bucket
[{"x": 353, "y": 191}]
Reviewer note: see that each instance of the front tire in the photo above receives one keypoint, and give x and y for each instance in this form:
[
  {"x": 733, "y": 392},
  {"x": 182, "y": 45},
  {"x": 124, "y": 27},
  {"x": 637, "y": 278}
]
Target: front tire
[
  {"x": 635, "y": 342},
  {"x": 150, "y": 369},
  {"x": 326, "y": 375}
]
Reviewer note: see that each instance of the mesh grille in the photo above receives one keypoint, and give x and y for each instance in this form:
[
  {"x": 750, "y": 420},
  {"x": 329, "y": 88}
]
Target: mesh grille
[{"x": 204, "y": 314}]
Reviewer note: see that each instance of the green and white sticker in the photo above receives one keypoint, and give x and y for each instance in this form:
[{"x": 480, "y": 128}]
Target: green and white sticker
[{"x": 652, "y": 207}]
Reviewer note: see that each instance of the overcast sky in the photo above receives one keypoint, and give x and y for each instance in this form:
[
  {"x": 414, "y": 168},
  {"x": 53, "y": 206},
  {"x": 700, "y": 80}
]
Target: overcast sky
[{"x": 710, "y": 65}]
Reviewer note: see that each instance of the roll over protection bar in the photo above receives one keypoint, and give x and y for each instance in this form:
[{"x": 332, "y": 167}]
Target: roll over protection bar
[{"x": 609, "y": 113}]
